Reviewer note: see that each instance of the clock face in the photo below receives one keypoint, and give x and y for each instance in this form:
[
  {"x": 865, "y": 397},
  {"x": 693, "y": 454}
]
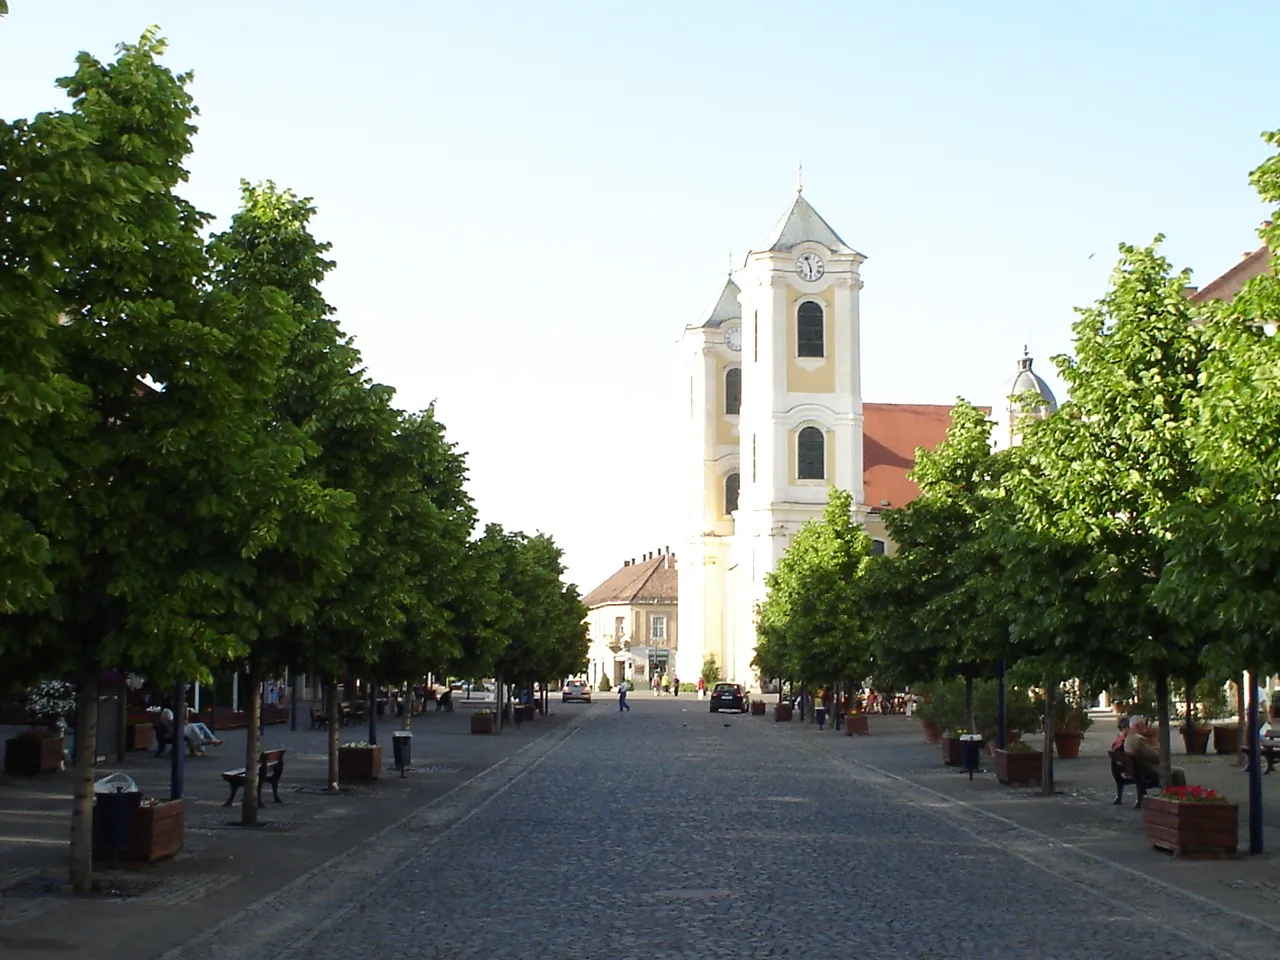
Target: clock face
[
  {"x": 733, "y": 338},
  {"x": 809, "y": 266}
]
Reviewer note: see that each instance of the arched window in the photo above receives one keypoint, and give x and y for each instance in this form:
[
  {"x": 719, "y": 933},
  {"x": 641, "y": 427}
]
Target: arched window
[
  {"x": 809, "y": 330},
  {"x": 811, "y": 454},
  {"x": 731, "y": 484},
  {"x": 877, "y": 547},
  {"x": 733, "y": 391}
]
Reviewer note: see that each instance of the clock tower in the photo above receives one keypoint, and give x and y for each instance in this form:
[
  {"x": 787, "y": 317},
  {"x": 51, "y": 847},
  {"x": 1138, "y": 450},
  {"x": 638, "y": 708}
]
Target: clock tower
[{"x": 775, "y": 410}]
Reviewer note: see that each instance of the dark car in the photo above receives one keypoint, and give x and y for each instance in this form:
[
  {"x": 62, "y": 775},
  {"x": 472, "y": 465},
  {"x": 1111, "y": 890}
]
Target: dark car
[{"x": 728, "y": 696}]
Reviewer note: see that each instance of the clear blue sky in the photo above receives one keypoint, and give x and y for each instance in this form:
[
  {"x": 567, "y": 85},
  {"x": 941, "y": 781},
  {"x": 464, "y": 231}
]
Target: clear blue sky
[{"x": 528, "y": 201}]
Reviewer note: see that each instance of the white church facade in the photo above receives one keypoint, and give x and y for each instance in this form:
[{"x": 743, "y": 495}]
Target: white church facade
[{"x": 775, "y": 418}]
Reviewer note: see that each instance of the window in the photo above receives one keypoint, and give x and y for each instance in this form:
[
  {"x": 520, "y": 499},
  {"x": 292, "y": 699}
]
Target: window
[
  {"x": 811, "y": 450},
  {"x": 809, "y": 330},
  {"x": 658, "y": 627},
  {"x": 877, "y": 547},
  {"x": 733, "y": 391},
  {"x": 731, "y": 485}
]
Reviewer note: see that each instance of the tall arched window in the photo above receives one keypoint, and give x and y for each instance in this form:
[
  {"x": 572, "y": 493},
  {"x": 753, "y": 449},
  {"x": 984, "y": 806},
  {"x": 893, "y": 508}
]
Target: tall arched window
[
  {"x": 731, "y": 485},
  {"x": 733, "y": 391},
  {"x": 811, "y": 454},
  {"x": 809, "y": 335}
]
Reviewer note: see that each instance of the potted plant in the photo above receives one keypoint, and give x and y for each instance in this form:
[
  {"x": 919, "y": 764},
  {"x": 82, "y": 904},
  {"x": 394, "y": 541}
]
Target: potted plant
[
  {"x": 1019, "y": 763},
  {"x": 855, "y": 722},
  {"x": 482, "y": 721},
  {"x": 1191, "y": 822},
  {"x": 158, "y": 829},
  {"x": 782, "y": 712},
  {"x": 359, "y": 760},
  {"x": 1068, "y": 731},
  {"x": 952, "y": 752},
  {"x": 33, "y": 751},
  {"x": 757, "y": 708}
]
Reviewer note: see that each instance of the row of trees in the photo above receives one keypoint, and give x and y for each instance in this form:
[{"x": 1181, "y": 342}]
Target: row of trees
[
  {"x": 194, "y": 467},
  {"x": 1133, "y": 533}
]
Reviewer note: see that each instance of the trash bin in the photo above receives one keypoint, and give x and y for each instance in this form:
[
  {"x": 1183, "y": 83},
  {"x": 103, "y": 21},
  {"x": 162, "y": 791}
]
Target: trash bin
[
  {"x": 116, "y": 797},
  {"x": 401, "y": 747},
  {"x": 970, "y": 751}
]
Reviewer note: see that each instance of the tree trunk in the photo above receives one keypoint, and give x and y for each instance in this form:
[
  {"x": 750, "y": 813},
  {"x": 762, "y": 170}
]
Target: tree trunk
[
  {"x": 1162, "y": 710},
  {"x": 86, "y": 762},
  {"x": 1046, "y": 760},
  {"x": 253, "y": 744},
  {"x": 968, "y": 705},
  {"x": 335, "y": 718},
  {"x": 1253, "y": 728}
]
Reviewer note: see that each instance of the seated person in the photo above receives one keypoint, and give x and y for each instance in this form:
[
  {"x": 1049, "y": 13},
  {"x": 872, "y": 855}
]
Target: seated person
[
  {"x": 1122, "y": 728},
  {"x": 1146, "y": 757},
  {"x": 198, "y": 736},
  {"x": 163, "y": 723}
]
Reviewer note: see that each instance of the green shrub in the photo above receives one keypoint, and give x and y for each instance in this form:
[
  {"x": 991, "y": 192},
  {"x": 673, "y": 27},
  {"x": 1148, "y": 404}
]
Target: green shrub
[
  {"x": 604, "y": 686},
  {"x": 710, "y": 670}
]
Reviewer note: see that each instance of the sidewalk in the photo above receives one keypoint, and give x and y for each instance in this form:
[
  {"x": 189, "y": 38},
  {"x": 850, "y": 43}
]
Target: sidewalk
[
  {"x": 1106, "y": 843},
  {"x": 222, "y": 868}
]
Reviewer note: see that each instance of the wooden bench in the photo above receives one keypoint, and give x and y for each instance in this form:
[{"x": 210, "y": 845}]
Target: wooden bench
[
  {"x": 1124, "y": 772},
  {"x": 270, "y": 770}
]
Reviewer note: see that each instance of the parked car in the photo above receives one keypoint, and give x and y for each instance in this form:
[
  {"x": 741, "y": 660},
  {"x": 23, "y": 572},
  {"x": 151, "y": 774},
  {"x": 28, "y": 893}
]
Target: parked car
[
  {"x": 578, "y": 690},
  {"x": 728, "y": 696}
]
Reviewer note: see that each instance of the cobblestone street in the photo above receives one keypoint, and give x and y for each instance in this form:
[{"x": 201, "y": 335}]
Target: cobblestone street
[{"x": 672, "y": 832}]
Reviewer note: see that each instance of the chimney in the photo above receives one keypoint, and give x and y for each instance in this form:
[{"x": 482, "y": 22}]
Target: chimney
[
  {"x": 626, "y": 563},
  {"x": 667, "y": 549}
]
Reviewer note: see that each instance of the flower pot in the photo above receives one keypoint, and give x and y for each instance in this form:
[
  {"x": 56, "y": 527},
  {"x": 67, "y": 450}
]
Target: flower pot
[
  {"x": 1189, "y": 829},
  {"x": 1196, "y": 739},
  {"x": 27, "y": 756},
  {"x": 1067, "y": 743},
  {"x": 1019, "y": 767},
  {"x": 856, "y": 723},
  {"x": 757, "y": 708},
  {"x": 782, "y": 712},
  {"x": 932, "y": 732},
  {"x": 952, "y": 752},
  {"x": 158, "y": 830},
  {"x": 140, "y": 736},
  {"x": 1226, "y": 738},
  {"x": 359, "y": 763},
  {"x": 482, "y": 723}
]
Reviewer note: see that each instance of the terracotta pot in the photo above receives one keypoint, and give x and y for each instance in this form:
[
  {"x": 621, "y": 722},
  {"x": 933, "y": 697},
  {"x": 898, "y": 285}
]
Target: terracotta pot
[
  {"x": 140, "y": 736},
  {"x": 782, "y": 712},
  {"x": 1193, "y": 830},
  {"x": 1067, "y": 743},
  {"x": 1019, "y": 767},
  {"x": 1226, "y": 738},
  {"x": 25, "y": 757},
  {"x": 856, "y": 723},
  {"x": 482, "y": 723},
  {"x": 1196, "y": 739},
  {"x": 932, "y": 732},
  {"x": 952, "y": 753},
  {"x": 359, "y": 763}
]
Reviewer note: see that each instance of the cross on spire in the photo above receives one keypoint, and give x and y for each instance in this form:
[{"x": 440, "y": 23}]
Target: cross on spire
[{"x": 799, "y": 176}]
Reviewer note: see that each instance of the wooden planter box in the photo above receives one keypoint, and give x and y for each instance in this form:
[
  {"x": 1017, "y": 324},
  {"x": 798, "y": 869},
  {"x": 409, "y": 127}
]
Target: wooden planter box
[
  {"x": 26, "y": 757},
  {"x": 952, "y": 753},
  {"x": 782, "y": 712},
  {"x": 757, "y": 708},
  {"x": 932, "y": 732},
  {"x": 1197, "y": 739},
  {"x": 1226, "y": 738},
  {"x": 856, "y": 723},
  {"x": 1019, "y": 767},
  {"x": 224, "y": 718},
  {"x": 482, "y": 723},
  {"x": 158, "y": 830},
  {"x": 1067, "y": 743},
  {"x": 1204, "y": 831},
  {"x": 359, "y": 763},
  {"x": 140, "y": 736}
]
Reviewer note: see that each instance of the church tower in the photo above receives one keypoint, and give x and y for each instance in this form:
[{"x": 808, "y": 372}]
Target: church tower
[{"x": 776, "y": 411}]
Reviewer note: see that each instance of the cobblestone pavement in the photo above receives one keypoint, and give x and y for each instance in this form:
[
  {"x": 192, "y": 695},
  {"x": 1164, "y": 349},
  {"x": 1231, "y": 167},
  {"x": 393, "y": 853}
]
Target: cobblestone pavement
[{"x": 670, "y": 832}]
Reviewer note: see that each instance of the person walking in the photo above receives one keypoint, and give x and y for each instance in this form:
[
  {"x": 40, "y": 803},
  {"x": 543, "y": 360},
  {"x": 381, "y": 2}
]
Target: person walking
[
  {"x": 675, "y": 686},
  {"x": 702, "y": 688},
  {"x": 820, "y": 709},
  {"x": 622, "y": 697}
]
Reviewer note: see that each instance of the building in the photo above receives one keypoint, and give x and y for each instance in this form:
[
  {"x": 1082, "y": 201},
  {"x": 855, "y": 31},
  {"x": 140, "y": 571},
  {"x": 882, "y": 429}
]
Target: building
[
  {"x": 1025, "y": 395},
  {"x": 776, "y": 418},
  {"x": 632, "y": 620}
]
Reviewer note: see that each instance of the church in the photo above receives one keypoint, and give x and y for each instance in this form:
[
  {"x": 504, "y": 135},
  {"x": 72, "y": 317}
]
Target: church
[{"x": 776, "y": 418}]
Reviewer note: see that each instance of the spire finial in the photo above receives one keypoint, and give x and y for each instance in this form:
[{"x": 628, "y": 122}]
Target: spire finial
[
  {"x": 799, "y": 176},
  {"x": 731, "y": 261}
]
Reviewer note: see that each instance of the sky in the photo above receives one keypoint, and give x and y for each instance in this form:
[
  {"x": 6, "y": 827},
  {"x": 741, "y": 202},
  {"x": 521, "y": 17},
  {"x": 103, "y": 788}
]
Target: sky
[{"x": 529, "y": 202}]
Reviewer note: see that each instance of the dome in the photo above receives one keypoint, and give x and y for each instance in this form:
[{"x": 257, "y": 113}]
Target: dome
[{"x": 1012, "y": 405}]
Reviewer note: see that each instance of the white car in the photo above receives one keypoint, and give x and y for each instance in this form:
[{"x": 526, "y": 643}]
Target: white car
[{"x": 578, "y": 690}]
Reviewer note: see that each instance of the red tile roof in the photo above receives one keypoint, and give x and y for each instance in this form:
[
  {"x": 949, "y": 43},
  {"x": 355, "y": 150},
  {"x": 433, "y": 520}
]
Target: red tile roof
[
  {"x": 649, "y": 581},
  {"x": 891, "y": 433},
  {"x": 1228, "y": 285}
]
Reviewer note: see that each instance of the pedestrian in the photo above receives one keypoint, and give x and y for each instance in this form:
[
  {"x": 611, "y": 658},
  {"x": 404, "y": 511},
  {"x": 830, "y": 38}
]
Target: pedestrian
[
  {"x": 622, "y": 697},
  {"x": 675, "y": 686},
  {"x": 820, "y": 709},
  {"x": 655, "y": 684},
  {"x": 702, "y": 688}
]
